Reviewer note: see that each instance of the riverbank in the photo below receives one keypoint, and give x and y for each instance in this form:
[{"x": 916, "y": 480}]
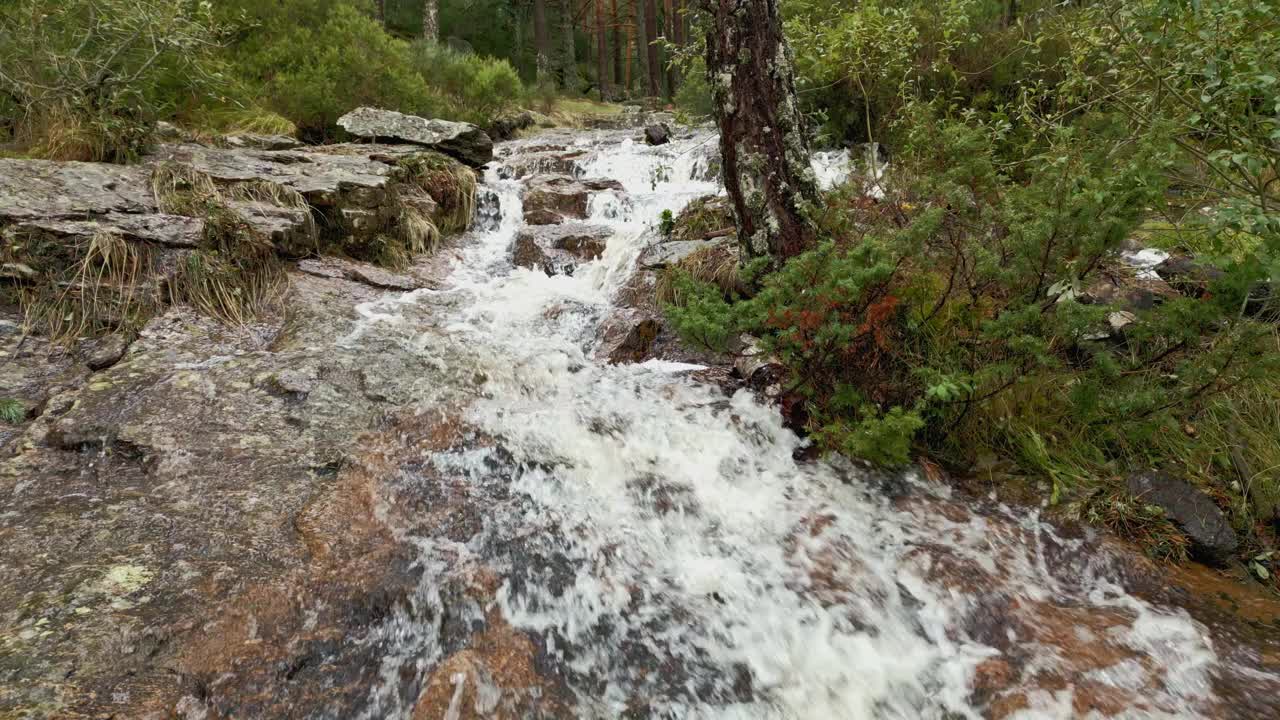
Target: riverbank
[{"x": 429, "y": 492}]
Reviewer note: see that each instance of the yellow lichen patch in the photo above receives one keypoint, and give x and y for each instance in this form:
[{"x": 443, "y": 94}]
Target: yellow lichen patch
[{"x": 124, "y": 579}]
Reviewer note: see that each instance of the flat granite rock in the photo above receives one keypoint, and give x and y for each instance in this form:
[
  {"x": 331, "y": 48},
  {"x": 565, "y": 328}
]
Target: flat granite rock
[
  {"x": 669, "y": 253},
  {"x": 372, "y": 275},
  {"x": 463, "y": 141},
  {"x": 36, "y": 189}
]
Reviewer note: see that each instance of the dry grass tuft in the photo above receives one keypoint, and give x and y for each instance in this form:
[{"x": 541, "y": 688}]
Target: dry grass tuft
[
  {"x": 88, "y": 286},
  {"x": 450, "y": 183},
  {"x": 718, "y": 265}
]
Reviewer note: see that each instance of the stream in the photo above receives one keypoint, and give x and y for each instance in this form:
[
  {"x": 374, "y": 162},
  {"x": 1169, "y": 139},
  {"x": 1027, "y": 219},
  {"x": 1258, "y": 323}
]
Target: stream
[{"x": 666, "y": 555}]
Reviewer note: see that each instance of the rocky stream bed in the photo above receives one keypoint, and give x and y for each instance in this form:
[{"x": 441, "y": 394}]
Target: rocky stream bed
[{"x": 491, "y": 485}]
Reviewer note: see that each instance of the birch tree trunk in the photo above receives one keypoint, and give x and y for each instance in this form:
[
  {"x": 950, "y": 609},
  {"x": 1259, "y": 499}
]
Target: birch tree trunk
[
  {"x": 541, "y": 42},
  {"x": 431, "y": 20},
  {"x": 764, "y": 151}
]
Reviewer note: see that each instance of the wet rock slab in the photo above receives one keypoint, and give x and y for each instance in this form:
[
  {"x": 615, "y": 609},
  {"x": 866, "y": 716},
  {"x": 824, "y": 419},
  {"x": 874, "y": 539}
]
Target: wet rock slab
[
  {"x": 665, "y": 254},
  {"x": 163, "y": 516},
  {"x": 555, "y": 199},
  {"x": 372, "y": 275},
  {"x": 558, "y": 249}
]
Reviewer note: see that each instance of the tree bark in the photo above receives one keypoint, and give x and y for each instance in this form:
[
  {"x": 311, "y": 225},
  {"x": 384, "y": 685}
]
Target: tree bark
[
  {"x": 616, "y": 21},
  {"x": 380, "y": 10},
  {"x": 1010, "y": 12},
  {"x": 431, "y": 20},
  {"x": 764, "y": 151},
  {"x": 652, "y": 69},
  {"x": 671, "y": 38},
  {"x": 631, "y": 54},
  {"x": 637, "y": 11},
  {"x": 541, "y": 42},
  {"x": 569, "y": 57},
  {"x": 602, "y": 51}
]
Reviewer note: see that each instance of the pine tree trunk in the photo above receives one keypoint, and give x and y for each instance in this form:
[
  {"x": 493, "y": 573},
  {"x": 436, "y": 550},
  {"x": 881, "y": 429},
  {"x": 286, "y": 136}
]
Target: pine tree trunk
[
  {"x": 681, "y": 38},
  {"x": 602, "y": 51},
  {"x": 569, "y": 53},
  {"x": 631, "y": 54},
  {"x": 380, "y": 10},
  {"x": 652, "y": 69},
  {"x": 1010, "y": 12},
  {"x": 431, "y": 20},
  {"x": 764, "y": 152},
  {"x": 616, "y": 21},
  {"x": 641, "y": 54},
  {"x": 541, "y": 42},
  {"x": 671, "y": 38}
]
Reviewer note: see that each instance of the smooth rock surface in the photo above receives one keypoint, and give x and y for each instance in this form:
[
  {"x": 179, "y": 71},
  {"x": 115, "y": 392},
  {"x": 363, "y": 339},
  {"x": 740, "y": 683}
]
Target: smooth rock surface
[
  {"x": 463, "y": 141},
  {"x": 666, "y": 254},
  {"x": 1212, "y": 537},
  {"x": 558, "y": 249},
  {"x": 554, "y": 199}
]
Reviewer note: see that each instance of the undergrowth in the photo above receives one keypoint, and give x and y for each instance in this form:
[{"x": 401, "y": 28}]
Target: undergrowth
[{"x": 12, "y": 411}]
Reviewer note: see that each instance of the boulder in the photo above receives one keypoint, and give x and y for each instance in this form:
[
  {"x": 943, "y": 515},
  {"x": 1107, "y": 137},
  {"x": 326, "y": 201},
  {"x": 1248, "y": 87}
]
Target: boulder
[
  {"x": 1187, "y": 275},
  {"x": 43, "y": 189},
  {"x": 174, "y": 231},
  {"x": 558, "y": 249},
  {"x": 553, "y": 199},
  {"x": 357, "y": 191},
  {"x": 1192, "y": 277},
  {"x": 705, "y": 218},
  {"x": 505, "y": 127},
  {"x": 464, "y": 141},
  {"x": 628, "y": 336},
  {"x": 106, "y": 351},
  {"x": 657, "y": 134},
  {"x": 1197, "y": 516}
]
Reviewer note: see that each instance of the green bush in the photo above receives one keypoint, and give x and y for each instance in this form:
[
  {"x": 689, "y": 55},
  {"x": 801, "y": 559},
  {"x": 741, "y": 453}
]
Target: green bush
[
  {"x": 87, "y": 79},
  {"x": 858, "y": 65},
  {"x": 693, "y": 97},
  {"x": 471, "y": 87},
  {"x": 949, "y": 315},
  {"x": 312, "y": 64},
  {"x": 314, "y": 74}
]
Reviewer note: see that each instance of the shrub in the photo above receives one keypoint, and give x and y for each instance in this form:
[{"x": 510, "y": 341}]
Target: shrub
[
  {"x": 86, "y": 79},
  {"x": 473, "y": 88},
  {"x": 12, "y": 411},
  {"x": 950, "y": 314},
  {"x": 313, "y": 74}
]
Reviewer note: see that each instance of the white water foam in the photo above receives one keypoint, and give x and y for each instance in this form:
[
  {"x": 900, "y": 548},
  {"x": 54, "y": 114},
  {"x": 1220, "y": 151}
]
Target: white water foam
[{"x": 694, "y": 540}]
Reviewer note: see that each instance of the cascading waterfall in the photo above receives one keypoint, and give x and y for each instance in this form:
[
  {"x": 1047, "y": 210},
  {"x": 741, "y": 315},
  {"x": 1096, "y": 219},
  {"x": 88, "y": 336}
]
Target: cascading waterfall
[{"x": 662, "y": 544}]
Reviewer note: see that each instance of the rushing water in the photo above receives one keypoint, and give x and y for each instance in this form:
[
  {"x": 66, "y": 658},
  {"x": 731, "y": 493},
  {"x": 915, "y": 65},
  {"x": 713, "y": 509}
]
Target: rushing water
[{"x": 665, "y": 549}]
